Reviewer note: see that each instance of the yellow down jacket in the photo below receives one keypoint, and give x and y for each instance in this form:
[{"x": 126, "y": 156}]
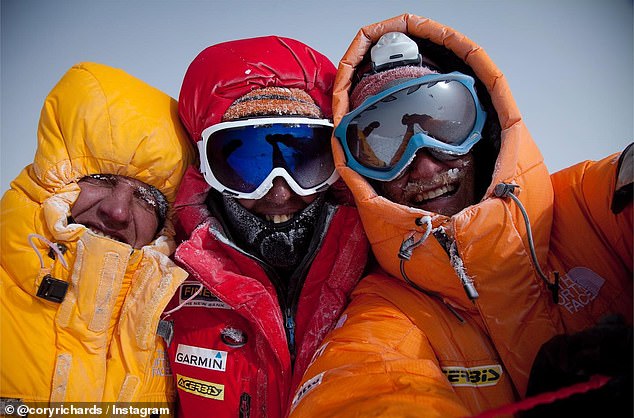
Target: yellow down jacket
[
  {"x": 100, "y": 342},
  {"x": 423, "y": 348}
]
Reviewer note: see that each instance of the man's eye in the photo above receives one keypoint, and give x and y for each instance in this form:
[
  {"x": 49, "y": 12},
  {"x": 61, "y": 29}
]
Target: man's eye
[
  {"x": 145, "y": 199},
  {"x": 444, "y": 156}
]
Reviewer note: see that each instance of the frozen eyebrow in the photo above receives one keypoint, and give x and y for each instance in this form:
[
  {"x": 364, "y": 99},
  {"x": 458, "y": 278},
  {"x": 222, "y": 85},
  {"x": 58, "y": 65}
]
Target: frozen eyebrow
[
  {"x": 147, "y": 195},
  {"x": 153, "y": 197},
  {"x": 111, "y": 178}
]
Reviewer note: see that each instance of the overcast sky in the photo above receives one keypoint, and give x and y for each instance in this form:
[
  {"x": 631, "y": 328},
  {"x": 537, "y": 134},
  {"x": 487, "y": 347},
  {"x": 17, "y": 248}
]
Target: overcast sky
[{"x": 569, "y": 62}]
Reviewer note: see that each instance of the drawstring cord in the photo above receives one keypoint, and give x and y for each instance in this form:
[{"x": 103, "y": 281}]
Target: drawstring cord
[
  {"x": 405, "y": 253},
  {"x": 53, "y": 246},
  {"x": 183, "y": 303},
  {"x": 507, "y": 190},
  {"x": 501, "y": 190},
  {"x": 408, "y": 246}
]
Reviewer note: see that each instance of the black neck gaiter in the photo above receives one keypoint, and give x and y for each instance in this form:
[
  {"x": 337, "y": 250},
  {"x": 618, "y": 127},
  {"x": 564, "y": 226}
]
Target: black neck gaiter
[{"x": 282, "y": 246}]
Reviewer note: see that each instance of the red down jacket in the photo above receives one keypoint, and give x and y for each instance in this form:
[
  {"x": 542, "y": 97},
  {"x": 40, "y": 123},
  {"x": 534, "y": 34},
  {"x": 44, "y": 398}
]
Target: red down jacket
[{"x": 230, "y": 354}]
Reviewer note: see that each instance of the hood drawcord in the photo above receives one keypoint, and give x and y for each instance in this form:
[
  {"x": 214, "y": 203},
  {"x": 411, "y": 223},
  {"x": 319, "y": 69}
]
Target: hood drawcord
[
  {"x": 405, "y": 253},
  {"x": 52, "y": 245},
  {"x": 408, "y": 246},
  {"x": 165, "y": 327},
  {"x": 50, "y": 288},
  {"x": 503, "y": 190},
  {"x": 183, "y": 303}
]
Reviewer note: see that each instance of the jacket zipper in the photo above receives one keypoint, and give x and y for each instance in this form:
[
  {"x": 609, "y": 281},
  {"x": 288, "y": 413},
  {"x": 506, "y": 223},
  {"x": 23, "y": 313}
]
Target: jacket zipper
[
  {"x": 287, "y": 312},
  {"x": 449, "y": 245},
  {"x": 289, "y": 324},
  {"x": 301, "y": 272},
  {"x": 245, "y": 405},
  {"x": 288, "y": 304},
  {"x": 405, "y": 253}
]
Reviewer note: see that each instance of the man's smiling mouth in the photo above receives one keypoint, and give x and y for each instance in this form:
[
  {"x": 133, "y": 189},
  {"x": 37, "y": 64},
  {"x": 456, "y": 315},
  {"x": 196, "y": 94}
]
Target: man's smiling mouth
[
  {"x": 278, "y": 219},
  {"x": 101, "y": 233},
  {"x": 443, "y": 191},
  {"x": 444, "y": 185}
]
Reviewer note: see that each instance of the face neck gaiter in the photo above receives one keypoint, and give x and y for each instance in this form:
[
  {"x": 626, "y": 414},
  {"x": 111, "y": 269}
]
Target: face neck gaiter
[{"x": 282, "y": 246}]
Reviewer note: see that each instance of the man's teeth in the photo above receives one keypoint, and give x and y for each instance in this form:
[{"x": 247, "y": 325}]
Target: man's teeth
[
  {"x": 278, "y": 219},
  {"x": 435, "y": 193},
  {"x": 101, "y": 234}
]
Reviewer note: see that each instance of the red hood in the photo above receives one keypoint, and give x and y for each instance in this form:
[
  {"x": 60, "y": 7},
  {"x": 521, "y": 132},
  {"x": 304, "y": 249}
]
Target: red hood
[
  {"x": 238, "y": 67},
  {"x": 248, "y": 64}
]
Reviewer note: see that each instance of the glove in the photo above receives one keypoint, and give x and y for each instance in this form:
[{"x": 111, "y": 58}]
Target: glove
[
  {"x": 564, "y": 360},
  {"x": 624, "y": 188}
]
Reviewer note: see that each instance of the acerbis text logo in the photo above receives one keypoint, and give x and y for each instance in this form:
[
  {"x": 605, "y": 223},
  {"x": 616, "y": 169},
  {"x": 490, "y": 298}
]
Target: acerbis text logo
[
  {"x": 473, "y": 376},
  {"x": 201, "y": 388}
]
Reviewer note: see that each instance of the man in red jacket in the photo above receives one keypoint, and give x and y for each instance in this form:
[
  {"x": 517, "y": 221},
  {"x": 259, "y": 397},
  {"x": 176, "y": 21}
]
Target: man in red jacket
[{"x": 272, "y": 252}]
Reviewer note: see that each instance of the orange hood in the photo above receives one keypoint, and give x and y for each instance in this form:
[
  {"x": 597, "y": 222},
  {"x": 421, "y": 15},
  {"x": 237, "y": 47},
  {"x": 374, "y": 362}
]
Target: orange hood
[{"x": 519, "y": 162}]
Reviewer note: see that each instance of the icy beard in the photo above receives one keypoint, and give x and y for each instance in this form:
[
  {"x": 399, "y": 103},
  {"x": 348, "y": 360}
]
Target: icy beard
[{"x": 282, "y": 246}]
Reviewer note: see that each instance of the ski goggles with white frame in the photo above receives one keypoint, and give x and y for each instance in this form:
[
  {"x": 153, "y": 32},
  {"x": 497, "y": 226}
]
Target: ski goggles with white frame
[
  {"x": 440, "y": 112},
  {"x": 243, "y": 157}
]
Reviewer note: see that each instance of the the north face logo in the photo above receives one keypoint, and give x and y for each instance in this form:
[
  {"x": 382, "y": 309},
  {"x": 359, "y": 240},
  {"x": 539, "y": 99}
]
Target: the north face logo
[{"x": 578, "y": 288}]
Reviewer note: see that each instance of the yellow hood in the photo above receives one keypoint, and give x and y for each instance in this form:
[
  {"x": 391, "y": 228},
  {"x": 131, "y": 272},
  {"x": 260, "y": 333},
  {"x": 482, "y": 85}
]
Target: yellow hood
[{"x": 99, "y": 119}]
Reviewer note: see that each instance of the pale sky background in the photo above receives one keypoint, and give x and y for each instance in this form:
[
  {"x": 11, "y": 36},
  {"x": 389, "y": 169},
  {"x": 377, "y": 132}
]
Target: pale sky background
[{"x": 568, "y": 62}]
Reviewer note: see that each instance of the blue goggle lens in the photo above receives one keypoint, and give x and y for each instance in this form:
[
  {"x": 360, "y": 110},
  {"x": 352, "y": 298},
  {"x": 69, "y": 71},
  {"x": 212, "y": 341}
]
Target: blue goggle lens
[{"x": 241, "y": 158}]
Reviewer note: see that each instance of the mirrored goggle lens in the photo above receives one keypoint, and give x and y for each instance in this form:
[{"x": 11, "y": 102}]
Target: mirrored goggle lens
[
  {"x": 242, "y": 157},
  {"x": 442, "y": 110}
]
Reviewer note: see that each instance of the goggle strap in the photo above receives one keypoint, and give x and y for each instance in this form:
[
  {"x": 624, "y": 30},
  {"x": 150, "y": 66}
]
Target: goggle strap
[
  {"x": 280, "y": 171},
  {"x": 203, "y": 157}
]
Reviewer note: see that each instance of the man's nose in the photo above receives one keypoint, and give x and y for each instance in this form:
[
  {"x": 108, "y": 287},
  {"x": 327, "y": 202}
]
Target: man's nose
[
  {"x": 116, "y": 209},
  {"x": 280, "y": 192},
  {"x": 425, "y": 166}
]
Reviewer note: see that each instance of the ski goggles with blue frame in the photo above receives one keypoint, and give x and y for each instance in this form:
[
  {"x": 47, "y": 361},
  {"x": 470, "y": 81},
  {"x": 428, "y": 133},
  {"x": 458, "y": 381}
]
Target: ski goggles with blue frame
[
  {"x": 243, "y": 157},
  {"x": 440, "y": 112}
]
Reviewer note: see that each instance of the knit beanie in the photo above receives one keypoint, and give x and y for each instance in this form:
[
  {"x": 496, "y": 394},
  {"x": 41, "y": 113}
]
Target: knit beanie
[
  {"x": 377, "y": 82},
  {"x": 273, "y": 101}
]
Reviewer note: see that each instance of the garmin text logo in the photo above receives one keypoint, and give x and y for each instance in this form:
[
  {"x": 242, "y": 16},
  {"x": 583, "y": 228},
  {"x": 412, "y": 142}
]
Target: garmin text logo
[
  {"x": 201, "y": 388},
  {"x": 473, "y": 376},
  {"x": 204, "y": 358}
]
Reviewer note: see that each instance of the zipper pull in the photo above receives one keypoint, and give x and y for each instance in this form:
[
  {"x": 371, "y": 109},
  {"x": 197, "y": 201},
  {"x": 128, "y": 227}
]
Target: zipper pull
[
  {"x": 245, "y": 405},
  {"x": 290, "y": 332}
]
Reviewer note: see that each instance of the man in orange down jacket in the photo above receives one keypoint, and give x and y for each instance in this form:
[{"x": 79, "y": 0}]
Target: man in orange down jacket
[
  {"x": 272, "y": 251},
  {"x": 442, "y": 168},
  {"x": 86, "y": 238}
]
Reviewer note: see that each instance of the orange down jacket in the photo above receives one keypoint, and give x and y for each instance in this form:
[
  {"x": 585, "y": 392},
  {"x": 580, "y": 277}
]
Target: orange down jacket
[
  {"x": 99, "y": 343},
  {"x": 400, "y": 351}
]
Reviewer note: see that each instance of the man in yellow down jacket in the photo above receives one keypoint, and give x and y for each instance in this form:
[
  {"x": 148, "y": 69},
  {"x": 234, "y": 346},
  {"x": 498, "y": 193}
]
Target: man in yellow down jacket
[
  {"x": 86, "y": 242},
  {"x": 443, "y": 169}
]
